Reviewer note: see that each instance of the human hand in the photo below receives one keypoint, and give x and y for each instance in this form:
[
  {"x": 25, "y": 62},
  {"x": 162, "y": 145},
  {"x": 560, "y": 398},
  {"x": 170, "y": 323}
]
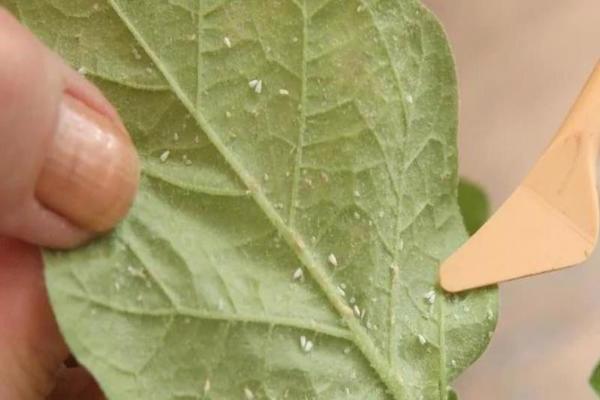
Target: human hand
[{"x": 68, "y": 171}]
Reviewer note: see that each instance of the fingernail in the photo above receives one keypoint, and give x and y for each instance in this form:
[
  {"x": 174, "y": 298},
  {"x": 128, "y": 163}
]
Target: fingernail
[{"x": 91, "y": 171}]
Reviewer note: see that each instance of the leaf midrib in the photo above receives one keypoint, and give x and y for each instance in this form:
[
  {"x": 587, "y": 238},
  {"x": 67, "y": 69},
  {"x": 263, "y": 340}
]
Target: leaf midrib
[
  {"x": 389, "y": 377},
  {"x": 302, "y": 131}
]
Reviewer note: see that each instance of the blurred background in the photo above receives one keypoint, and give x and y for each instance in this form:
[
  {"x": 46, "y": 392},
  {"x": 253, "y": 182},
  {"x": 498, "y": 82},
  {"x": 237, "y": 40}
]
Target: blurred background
[{"x": 520, "y": 66}]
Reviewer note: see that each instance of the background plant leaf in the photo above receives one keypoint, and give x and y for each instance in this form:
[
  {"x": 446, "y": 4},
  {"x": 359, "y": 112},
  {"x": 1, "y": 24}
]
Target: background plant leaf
[
  {"x": 343, "y": 167},
  {"x": 474, "y": 205},
  {"x": 595, "y": 380}
]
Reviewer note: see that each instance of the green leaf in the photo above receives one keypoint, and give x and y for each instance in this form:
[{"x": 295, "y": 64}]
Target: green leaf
[
  {"x": 595, "y": 380},
  {"x": 316, "y": 211},
  {"x": 474, "y": 205},
  {"x": 10, "y": 5}
]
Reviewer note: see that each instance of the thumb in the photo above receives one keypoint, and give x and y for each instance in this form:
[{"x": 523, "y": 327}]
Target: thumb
[{"x": 67, "y": 166}]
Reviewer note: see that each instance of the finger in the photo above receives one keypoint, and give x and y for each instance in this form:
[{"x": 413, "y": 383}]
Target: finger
[
  {"x": 31, "y": 347},
  {"x": 81, "y": 178},
  {"x": 67, "y": 166},
  {"x": 76, "y": 384}
]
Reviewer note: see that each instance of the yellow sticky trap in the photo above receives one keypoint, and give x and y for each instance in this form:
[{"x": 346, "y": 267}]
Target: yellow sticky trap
[{"x": 551, "y": 219}]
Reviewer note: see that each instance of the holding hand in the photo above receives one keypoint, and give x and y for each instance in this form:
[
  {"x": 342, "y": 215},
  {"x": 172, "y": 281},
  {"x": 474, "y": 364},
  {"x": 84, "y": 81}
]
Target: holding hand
[{"x": 68, "y": 171}]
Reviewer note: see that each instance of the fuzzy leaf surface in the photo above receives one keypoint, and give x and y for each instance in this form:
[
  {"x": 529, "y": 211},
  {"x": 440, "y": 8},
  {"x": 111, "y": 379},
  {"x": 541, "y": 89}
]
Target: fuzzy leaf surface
[{"x": 341, "y": 166}]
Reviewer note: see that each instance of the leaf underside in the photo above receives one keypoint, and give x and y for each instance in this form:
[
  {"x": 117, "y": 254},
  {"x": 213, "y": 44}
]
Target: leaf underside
[{"x": 347, "y": 156}]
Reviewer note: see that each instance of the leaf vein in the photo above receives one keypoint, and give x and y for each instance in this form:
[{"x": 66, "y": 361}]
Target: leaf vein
[{"x": 319, "y": 328}]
